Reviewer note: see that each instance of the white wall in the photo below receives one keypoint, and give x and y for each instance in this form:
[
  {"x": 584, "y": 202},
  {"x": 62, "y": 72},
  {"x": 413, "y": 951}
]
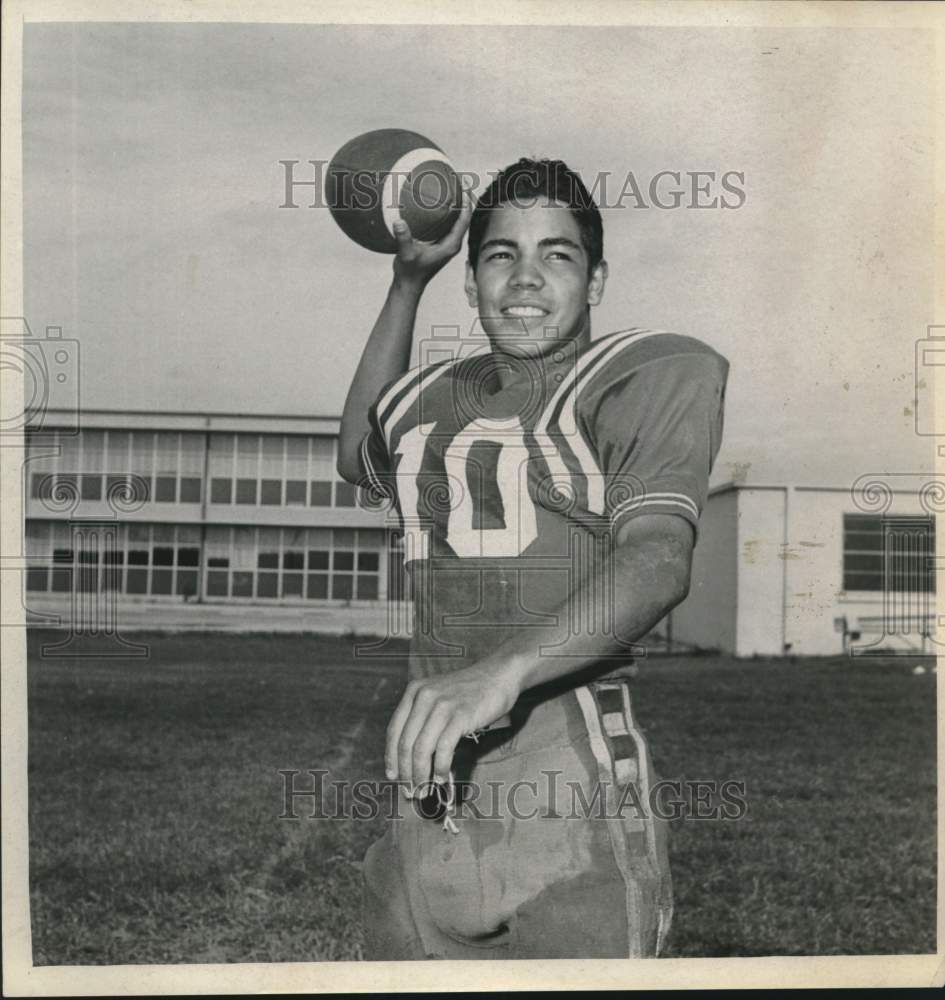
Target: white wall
[
  {"x": 752, "y": 593},
  {"x": 760, "y": 571},
  {"x": 815, "y": 595},
  {"x": 707, "y": 616}
]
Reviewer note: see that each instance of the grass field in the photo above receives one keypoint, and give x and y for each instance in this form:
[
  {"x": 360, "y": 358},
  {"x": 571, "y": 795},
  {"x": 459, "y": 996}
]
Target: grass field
[{"x": 155, "y": 794}]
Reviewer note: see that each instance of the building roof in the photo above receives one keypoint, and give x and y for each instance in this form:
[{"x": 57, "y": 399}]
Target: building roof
[
  {"x": 180, "y": 420},
  {"x": 731, "y": 486}
]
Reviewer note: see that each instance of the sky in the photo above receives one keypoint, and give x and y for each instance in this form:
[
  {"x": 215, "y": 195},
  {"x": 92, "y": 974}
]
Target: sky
[{"x": 153, "y": 233}]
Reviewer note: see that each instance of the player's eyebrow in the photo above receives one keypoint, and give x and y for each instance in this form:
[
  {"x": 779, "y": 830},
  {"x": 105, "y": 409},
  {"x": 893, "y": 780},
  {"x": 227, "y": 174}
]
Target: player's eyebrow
[
  {"x": 560, "y": 241},
  {"x": 497, "y": 243},
  {"x": 548, "y": 241}
]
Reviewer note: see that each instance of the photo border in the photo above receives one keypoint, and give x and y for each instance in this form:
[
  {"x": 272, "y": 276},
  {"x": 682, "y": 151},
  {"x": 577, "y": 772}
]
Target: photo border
[{"x": 21, "y": 978}]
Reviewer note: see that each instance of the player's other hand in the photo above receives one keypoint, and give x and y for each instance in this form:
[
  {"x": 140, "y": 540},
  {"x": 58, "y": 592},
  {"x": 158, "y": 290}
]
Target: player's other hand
[
  {"x": 435, "y": 714},
  {"x": 416, "y": 262}
]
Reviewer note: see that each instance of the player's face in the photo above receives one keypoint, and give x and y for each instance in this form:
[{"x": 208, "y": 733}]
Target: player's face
[{"x": 531, "y": 284}]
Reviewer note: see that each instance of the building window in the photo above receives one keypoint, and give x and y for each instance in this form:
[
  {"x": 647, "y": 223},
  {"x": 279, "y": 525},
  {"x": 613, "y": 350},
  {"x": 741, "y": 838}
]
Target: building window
[
  {"x": 296, "y": 470},
  {"x": 169, "y": 467},
  {"x": 267, "y": 562},
  {"x": 221, "y": 491},
  {"x": 191, "y": 466},
  {"x": 91, "y": 486},
  {"x": 189, "y": 490},
  {"x": 220, "y": 462},
  {"x": 293, "y": 562},
  {"x": 295, "y": 492},
  {"x": 272, "y": 469},
  {"x": 42, "y": 486},
  {"x": 38, "y": 552},
  {"x": 398, "y": 579},
  {"x": 345, "y": 495},
  {"x": 247, "y": 468},
  {"x": 140, "y": 464},
  {"x": 165, "y": 489},
  {"x": 138, "y": 559},
  {"x": 271, "y": 492},
  {"x": 274, "y": 564},
  {"x": 113, "y": 565},
  {"x": 319, "y": 561},
  {"x": 243, "y": 561},
  {"x": 118, "y": 487},
  {"x": 92, "y": 464},
  {"x": 321, "y": 493},
  {"x": 246, "y": 491},
  {"x": 368, "y": 575},
  {"x": 163, "y": 560},
  {"x": 42, "y": 461},
  {"x": 67, "y": 486},
  {"x": 888, "y": 553},
  {"x": 217, "y": 549},
  {"x": 69, "y": 466}
]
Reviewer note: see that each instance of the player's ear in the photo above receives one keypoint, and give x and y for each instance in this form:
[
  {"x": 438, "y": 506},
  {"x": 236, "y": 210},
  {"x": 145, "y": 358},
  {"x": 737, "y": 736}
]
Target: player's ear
[
  {"x": 472, "y": 289},
  {"x": 595, "y": 287}
]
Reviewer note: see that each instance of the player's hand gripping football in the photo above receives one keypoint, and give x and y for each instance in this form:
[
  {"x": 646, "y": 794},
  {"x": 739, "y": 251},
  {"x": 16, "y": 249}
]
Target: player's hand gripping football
[
  {"x": 416, "y": 262},
  {"x": 435, "y": 714}
]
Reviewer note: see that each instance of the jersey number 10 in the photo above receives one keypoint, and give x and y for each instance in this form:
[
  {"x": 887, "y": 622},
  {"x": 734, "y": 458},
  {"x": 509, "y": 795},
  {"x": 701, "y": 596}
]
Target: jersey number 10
[{"x": 502, "y": 468}]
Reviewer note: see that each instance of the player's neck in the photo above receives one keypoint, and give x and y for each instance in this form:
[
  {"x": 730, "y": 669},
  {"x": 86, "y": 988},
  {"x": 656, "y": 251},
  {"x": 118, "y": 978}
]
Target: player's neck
[{"x": 560, "y": 359}]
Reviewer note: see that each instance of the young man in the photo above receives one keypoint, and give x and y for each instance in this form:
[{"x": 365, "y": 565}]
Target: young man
[{"x": 549, "y": 491}]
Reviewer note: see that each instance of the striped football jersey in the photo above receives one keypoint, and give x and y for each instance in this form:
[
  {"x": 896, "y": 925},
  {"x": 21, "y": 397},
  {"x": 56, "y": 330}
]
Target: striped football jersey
[{"x": 508, "y": 494}]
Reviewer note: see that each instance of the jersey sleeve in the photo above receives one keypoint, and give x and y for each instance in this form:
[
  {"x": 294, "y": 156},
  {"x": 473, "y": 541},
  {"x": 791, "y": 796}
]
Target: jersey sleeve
[
  {"x": 656, "y": 431},
  {"x": 402, "y": 404},
  {"x": 375, "y": 458},
  {"x": 376, "y": 463},
  {"x": 397, "y": 406}
]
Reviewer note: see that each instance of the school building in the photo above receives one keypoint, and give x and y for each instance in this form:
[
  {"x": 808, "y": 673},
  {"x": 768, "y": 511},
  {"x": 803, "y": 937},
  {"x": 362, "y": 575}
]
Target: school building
[
  {"x": 185, "y": 515},
  {"x": 201, "y": 509},
  {"x": 816, "y": 570}
]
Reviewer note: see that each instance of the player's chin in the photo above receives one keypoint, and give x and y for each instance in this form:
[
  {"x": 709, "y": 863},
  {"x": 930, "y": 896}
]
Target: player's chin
[
  {"x": 520, "y": 348},
  {"x": 526, "y": 341}
]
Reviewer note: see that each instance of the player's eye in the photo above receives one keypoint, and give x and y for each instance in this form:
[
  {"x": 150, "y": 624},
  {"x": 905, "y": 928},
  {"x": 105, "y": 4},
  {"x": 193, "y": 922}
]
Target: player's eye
[
  {"x": 560, "y": 254},
  {"x": 497, "y": 254}
]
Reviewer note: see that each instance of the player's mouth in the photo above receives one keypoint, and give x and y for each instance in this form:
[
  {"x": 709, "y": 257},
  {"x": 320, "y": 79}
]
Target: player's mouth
[{"x": 524, "y": 311}]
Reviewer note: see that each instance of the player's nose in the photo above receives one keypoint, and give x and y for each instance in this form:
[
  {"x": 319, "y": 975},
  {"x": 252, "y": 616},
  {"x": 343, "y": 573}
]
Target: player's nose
[{"x": 525, "y": 275}]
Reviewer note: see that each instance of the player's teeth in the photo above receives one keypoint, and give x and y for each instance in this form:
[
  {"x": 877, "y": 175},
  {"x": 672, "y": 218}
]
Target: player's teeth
[{"x": 524, "y": 311}]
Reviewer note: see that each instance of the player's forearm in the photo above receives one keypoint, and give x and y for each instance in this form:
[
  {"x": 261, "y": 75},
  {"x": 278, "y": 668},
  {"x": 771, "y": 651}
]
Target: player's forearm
[
  {"x": 648, "y": 575},
  {"x": 386, "y": 355},
  {"x": 643, "y": 584}
]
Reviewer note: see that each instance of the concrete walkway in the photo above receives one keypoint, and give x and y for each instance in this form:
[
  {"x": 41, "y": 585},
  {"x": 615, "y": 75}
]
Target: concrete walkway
[{"x": 132, "y": 616}]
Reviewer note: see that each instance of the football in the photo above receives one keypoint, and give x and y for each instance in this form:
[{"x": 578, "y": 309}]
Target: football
[{"x": 390, "y": 174}]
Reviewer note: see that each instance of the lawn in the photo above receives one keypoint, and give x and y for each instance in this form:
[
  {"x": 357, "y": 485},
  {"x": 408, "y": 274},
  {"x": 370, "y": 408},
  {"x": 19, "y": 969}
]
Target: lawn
[{"x": 155, "y": 797}]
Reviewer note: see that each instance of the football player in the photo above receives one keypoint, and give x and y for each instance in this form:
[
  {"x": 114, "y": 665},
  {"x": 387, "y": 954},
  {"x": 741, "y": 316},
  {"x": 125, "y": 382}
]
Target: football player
[{"x": 549, "y": 489}]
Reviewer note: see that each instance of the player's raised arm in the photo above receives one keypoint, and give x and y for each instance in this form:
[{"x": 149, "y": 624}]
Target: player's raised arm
[{"x": 387, "y": 351}]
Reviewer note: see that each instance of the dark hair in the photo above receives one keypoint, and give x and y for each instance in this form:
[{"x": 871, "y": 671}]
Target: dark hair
[{"x": 527, "y": 180}]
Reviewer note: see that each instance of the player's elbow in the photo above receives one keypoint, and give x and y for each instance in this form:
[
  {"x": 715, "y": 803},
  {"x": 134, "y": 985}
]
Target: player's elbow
[
  {"x": 680, "y": 580},
  {"x": 348, "y": 468},
  {"x": 657, "y": 551},
  {"x": 347, "y": 464},
  {"x": 677, "y": 554},
  {"x": 667, "y": 576}
]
